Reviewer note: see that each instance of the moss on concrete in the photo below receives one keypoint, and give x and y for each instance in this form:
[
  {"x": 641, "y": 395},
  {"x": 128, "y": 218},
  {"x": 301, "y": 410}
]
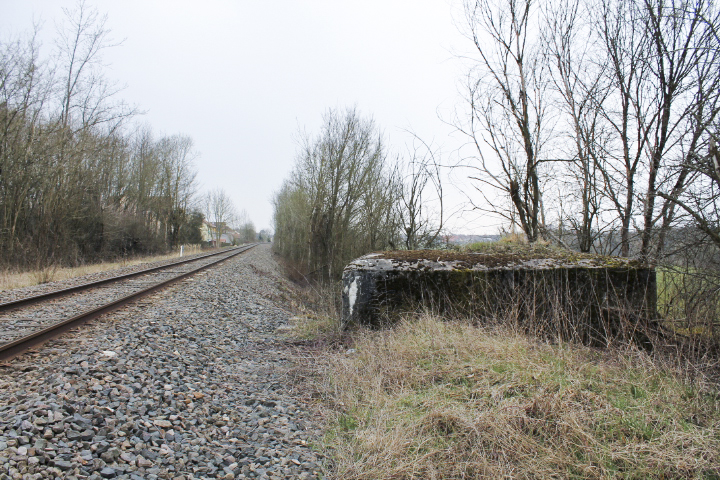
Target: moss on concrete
[
  {"x": 548, "y": 291},
  {"x": 504, "y": 255}
]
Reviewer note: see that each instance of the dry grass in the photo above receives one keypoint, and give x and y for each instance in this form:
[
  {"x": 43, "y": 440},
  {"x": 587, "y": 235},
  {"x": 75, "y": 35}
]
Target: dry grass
[
  {"x": 317, "y": 313},
  {"x": 10, "y": 280},
  {"x": 431, "y": 399}
]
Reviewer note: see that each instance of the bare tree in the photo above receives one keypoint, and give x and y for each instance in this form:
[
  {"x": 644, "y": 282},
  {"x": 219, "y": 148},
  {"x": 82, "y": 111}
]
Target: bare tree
[
  {"x": 420, "y": 197},
  {"x": 177, "y": 184},
  {"x": 76, "y": 185},
  {"x": 85, "y": 93},
  {"x": 663, "y": 80},
  {"x": 219, "y": 211},
  {"x": 25, "y": 88},
  {"x": 245, "y": 227},
  {"x": 578, "y": 79},
  {"x": 338, "y": 203},
  {"x": 265, "y": 235},
  {"x": 632, "y": 86},
  {"x": 507, "y": 110},
  {"x": 291, "y": 214},
  {"x": 683, "y": 60}
]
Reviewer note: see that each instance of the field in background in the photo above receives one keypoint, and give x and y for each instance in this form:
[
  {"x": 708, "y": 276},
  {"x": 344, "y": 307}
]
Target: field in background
[
  {"x": 689, "y": 302},
  {"x": 10, "y": 280}
]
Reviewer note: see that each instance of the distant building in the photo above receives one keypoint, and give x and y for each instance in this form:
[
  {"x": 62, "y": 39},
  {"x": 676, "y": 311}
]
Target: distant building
[
  {"x": 210, "y": 234},
  {"x": 226, "y": 238},
  {"x": 207, "y": 230}
]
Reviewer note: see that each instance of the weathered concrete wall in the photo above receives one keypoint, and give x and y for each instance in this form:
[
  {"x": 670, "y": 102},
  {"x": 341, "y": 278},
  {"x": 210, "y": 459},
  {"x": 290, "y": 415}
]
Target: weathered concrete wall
[{"x": 589, "y": 298}]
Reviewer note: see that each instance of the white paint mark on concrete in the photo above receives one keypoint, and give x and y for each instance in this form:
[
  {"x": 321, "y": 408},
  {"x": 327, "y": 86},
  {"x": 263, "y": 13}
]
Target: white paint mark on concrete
[{"x": 352, "y": 295}]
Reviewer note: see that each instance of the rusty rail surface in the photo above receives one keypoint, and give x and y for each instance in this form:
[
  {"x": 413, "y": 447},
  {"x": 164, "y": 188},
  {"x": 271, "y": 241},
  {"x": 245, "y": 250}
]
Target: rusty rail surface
[{"x": 17, "y": 347}]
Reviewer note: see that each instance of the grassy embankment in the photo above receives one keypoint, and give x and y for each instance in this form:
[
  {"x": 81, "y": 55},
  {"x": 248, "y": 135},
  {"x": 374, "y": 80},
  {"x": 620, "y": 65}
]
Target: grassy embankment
[
  {"x": 13, "y": 279},
  {"x": 433, "y": 398}
]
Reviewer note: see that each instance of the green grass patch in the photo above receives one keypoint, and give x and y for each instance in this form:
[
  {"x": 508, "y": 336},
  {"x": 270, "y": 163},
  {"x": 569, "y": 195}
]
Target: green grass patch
[{"x": 430, "y": 399}]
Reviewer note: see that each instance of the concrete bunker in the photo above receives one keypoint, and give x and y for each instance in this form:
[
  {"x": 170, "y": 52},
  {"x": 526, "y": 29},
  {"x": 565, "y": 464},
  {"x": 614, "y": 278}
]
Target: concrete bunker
[{"x": 549, "y": 292}]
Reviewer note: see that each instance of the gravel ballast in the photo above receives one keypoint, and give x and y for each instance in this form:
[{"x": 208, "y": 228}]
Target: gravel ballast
[{"x": 190, "y": 383}]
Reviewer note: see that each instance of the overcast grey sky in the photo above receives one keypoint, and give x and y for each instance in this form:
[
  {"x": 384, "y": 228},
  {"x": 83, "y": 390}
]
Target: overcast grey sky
[{"x": 241, "y": 76}]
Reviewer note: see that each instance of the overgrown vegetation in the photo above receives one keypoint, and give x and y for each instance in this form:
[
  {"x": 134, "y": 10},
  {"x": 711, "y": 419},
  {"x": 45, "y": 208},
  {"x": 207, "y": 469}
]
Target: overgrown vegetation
[
  {"x": 344, "y": 198},
  {"x": 470, "y": 397},
  {"x": 595, "y": 122},
  {"x": 77, "y": 181},
  {"x": 612, "y": 104},
  {"x": 438, "y": 399},
  {"x": 688, "y": 303}
]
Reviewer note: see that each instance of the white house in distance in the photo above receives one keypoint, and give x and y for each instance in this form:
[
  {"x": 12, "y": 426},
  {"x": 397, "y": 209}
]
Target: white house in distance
[
  {"x": 226, "y": 238},
  {"x": 209, "y": 234}
]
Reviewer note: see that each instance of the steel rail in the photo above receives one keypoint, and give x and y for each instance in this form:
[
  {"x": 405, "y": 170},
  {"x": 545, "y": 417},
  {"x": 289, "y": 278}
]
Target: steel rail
[
  {"x": 21, "y": 302},
  {"x": 17, "y": 347}
]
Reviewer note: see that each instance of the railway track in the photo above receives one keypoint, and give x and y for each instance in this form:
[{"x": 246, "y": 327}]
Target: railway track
[{"x": 28, "y": 322}]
